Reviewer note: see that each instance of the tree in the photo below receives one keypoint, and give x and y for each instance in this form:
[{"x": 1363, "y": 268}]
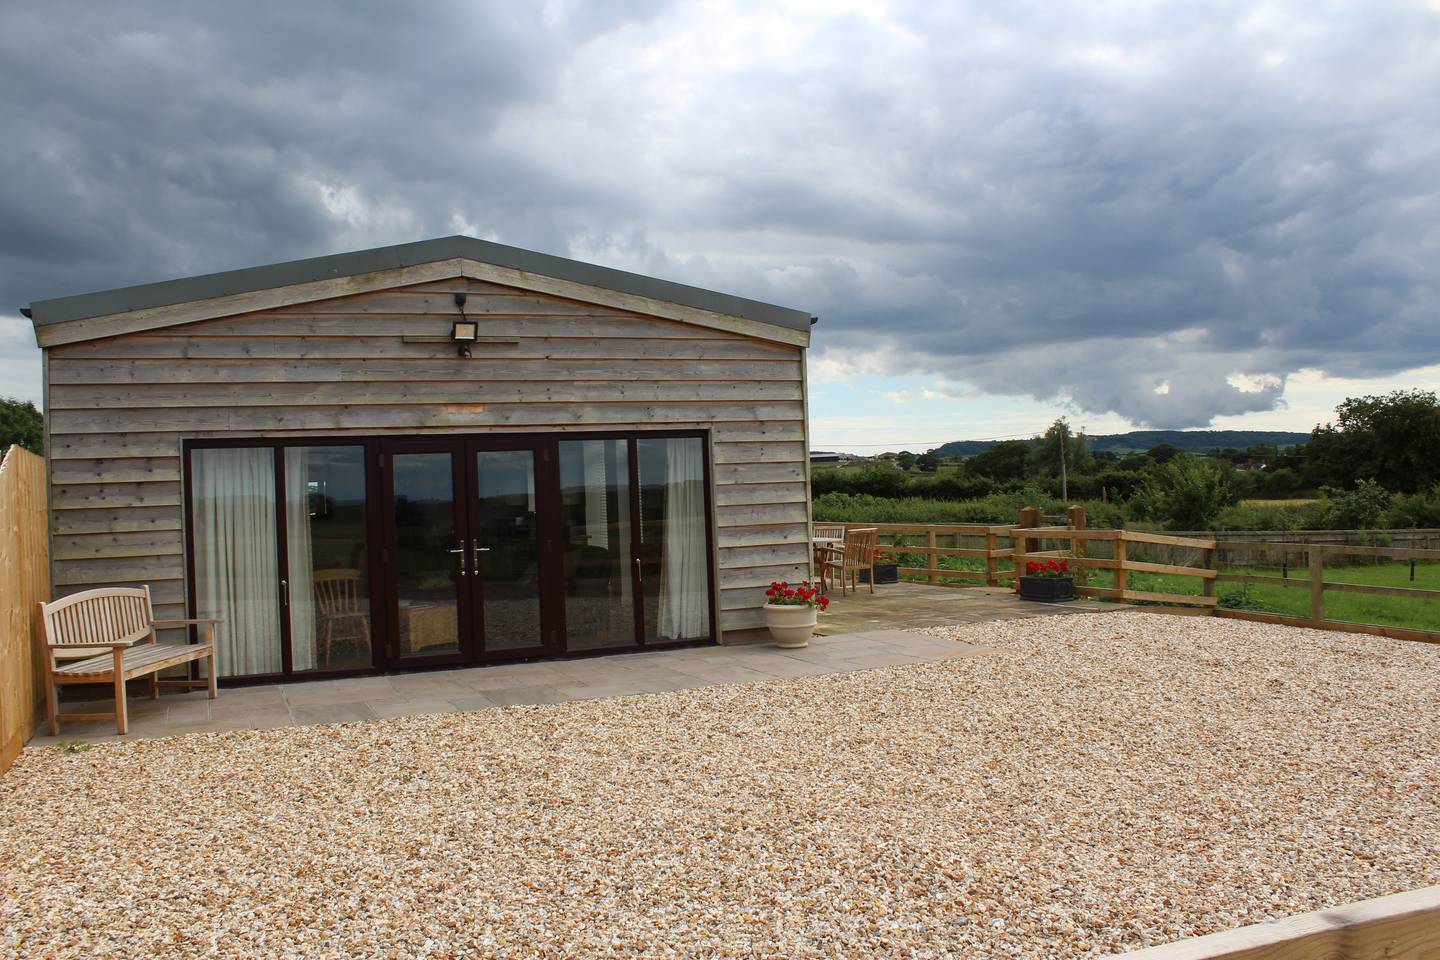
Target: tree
[
  {"x": 1163, "y": 452},
  {"x": 1060, "y": 453},
  {"x": 1186, "y": 493},
  {"x": 1358, "y": 509},
  {"x": 1392, "y": 439},
  {"x": 928, "y": 462},
  {"x": 906, "y": 460},
  {"x": 1001, "y": 462},
  {"x": 21, "y": 423}
]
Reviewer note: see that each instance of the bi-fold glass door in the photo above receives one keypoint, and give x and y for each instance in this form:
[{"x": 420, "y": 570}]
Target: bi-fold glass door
[
  {"x": 331, "y": 556},
  {"x": 281, "y": 553}
]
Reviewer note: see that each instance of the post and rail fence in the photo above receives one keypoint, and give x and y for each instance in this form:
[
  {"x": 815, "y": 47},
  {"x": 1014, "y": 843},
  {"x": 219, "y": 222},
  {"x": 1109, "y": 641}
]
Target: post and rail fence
[{"x": 1001, "y": 550}]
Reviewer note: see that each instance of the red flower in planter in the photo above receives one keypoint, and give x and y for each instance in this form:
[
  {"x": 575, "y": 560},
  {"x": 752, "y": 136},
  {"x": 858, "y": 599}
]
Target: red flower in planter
[{"x": 804, "y": 594}]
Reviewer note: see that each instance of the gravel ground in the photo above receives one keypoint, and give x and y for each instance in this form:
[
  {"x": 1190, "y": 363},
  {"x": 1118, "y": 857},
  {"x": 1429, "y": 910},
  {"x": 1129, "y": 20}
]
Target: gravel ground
[{"x": 1102, "y": 783}]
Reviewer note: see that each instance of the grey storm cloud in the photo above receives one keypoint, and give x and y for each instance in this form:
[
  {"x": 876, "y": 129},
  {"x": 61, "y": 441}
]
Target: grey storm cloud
[{"x": 1157, "y": 210}]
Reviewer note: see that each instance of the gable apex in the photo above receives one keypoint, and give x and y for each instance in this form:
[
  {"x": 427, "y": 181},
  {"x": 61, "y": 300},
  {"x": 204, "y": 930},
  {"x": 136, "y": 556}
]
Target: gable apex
[{"x": 150, "y": 306}]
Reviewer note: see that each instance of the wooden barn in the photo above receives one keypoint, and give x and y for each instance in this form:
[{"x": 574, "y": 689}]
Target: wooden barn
[{"x": 435, "y": 453}]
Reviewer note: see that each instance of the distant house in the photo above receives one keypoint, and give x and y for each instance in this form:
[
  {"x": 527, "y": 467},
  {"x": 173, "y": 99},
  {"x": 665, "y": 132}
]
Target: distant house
[
  {"x": 818, "y": 456},
  {"x": 441, "y": 452}
]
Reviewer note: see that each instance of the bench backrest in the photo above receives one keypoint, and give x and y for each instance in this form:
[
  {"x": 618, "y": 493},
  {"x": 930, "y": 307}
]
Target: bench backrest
[{"x": 103, "y": 616}]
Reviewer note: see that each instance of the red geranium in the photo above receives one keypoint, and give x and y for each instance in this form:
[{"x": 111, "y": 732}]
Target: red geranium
[
  {"x": 804, "y": 594},
  {"x": 1047, "y": 568}
]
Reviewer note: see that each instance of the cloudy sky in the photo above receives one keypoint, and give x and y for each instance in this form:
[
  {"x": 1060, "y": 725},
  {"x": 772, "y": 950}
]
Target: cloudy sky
[{"x": 1134, "y": 214}]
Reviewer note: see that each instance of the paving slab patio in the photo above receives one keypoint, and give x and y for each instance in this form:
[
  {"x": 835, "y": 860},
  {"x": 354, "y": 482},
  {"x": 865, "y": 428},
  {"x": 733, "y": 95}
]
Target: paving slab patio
[{"x": 860, "y": 631}]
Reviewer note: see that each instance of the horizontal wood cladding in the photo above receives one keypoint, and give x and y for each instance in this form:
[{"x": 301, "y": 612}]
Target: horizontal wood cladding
[
  {"x": 160, "y": 444},
  {"x": 127, "y": 519},
  {"x": 529, "y": 347},
  {"x": 760, "y": 452},
  {"x": 351, "y": 393},
  {"x": 323, "y": 418},
  {"x": 95, "y": 546},
  {"x": 448, "y": 370},
  {"x": 101, "y": 470},
  {"x": 90, "y": 496},
  {"x": 114, "y": 570},
  {"x": 116, "y": 470},
  {"x": 120, "y": 408},
  {"x": 735, "y": 620}
]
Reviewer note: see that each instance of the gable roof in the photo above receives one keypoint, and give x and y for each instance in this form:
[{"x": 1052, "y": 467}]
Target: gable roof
[{"x": 152, "y": 305}]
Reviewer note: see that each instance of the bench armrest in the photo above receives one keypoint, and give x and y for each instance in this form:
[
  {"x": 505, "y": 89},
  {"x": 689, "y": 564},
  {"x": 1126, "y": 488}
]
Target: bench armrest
[
  {"x": 182, "y": 623},
  {"x": 117, "y": 644}
]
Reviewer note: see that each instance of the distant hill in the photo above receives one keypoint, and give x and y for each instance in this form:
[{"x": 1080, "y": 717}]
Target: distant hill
[{"x": 1191, "y": 441}]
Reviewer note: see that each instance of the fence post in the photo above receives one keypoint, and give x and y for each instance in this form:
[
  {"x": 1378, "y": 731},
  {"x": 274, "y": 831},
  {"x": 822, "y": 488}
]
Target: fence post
[
  {"x": 1317, "y": 584},
  {"x": 1020, "y": 549},
  {"x": 1122, "y": 576},
  {"x": 1029, "y": 517},
  {"x": 992, "y": 562},
  {"x": 1080, "y": 548},
  {"x": 933, "y": 564},
  {"x": 1210, "y": 560}
]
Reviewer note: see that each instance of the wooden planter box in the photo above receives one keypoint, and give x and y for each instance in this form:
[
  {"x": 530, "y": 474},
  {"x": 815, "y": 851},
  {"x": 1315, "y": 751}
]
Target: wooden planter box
[
  {"x": 1047, "y": 589},
  {"x": 884, "y": 573}
]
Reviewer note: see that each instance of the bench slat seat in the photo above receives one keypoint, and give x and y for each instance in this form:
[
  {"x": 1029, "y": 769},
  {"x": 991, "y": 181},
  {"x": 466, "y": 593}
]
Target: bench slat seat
[
  {"x": 108, "y": 636},
  {"x": 137, "y": 661}
]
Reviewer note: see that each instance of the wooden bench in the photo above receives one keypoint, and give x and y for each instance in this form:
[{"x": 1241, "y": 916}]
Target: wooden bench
[{"x": 107, "y": 630}]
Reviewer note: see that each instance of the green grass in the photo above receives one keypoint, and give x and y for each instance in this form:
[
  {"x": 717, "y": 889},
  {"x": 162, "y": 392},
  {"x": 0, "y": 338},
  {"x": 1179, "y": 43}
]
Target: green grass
[
  {"x": 1294, "y": 599},
  {"x": 1285, "y": 599}
]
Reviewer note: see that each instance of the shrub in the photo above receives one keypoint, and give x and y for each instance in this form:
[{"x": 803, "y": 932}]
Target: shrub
[
  {"x": 1417, "y": 510},
  {"x": 1185, "y": 493},
  {"x": 1358, "y": 509}
]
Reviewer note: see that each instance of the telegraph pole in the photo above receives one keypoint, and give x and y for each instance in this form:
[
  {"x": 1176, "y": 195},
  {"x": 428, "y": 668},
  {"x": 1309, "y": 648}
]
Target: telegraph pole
[{"x": 1064, "y": 481}]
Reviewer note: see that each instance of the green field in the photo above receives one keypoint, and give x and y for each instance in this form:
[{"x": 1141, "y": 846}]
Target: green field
[{"x": 1285, "y": 599}]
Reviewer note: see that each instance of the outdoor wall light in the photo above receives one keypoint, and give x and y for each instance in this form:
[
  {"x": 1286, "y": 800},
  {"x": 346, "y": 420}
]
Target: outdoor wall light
[
  {"x": 465, "y": 331},
  {"x": 464, "y": 334}
]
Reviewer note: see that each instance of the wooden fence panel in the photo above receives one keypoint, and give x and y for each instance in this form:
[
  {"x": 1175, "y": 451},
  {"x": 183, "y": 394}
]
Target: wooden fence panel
[
  {"x": 1403, "y": 926},
  {"x": 24, "y": 582}
]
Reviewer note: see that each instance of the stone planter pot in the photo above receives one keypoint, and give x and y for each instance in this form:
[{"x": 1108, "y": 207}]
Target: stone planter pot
[
  {"x": 791, "y": 626},
  {"x": 1047, "y": 589},
  {"x": 884, "y": 573}
]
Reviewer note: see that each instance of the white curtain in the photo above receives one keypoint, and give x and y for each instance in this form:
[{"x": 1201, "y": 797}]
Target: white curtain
[
  {"x": 684, "y": 570},
  {"x": 301, "y": 561},
  {"x": 236, "y": 569},
  {"x": 597, "y": 516}
]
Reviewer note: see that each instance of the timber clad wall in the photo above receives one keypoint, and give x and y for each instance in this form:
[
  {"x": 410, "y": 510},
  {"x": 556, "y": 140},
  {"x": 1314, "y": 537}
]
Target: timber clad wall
[{"x": 118, "y": 409}]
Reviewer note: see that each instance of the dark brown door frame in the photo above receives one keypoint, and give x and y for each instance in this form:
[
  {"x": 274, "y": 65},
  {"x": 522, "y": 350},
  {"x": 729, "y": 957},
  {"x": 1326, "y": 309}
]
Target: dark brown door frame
[
  {"x": 373, "y": 548},
  {"x": 378, "y": 494},
  {"x": 465, "y": 612},
  {"x": 552, "y": 605}
]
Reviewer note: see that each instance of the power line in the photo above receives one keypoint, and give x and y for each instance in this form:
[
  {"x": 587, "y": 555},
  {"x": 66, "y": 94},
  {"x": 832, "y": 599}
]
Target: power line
[{"x": 919, "y": 443}]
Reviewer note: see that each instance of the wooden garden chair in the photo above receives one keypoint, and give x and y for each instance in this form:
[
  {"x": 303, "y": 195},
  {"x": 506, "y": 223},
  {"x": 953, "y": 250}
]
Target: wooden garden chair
[
  {"x": 857, "y": 554},
  {"x": 112, "y": 632},
  {"x": 341, "y": 614},
  {"x": 826, "y": 537}
]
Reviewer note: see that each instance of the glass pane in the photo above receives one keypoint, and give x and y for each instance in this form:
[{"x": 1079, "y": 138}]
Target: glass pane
[
  {"x": 425, "y": 568},
  {"x": 507, "y": 556},
  {"x": 595, "y": 504},
  {"x": 325, "y": 536},
  {"x": 237, "y": 570},
  {"x": 673, "y": 553}
]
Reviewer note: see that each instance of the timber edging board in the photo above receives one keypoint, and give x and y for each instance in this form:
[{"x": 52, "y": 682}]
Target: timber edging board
[{"x": 1402, "y": 926}]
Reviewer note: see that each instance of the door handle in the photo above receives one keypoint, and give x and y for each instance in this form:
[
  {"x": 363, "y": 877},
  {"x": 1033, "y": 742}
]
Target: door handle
[
  {"x": 475, "y": 561},
  {"x": 460, "y": 550}
]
